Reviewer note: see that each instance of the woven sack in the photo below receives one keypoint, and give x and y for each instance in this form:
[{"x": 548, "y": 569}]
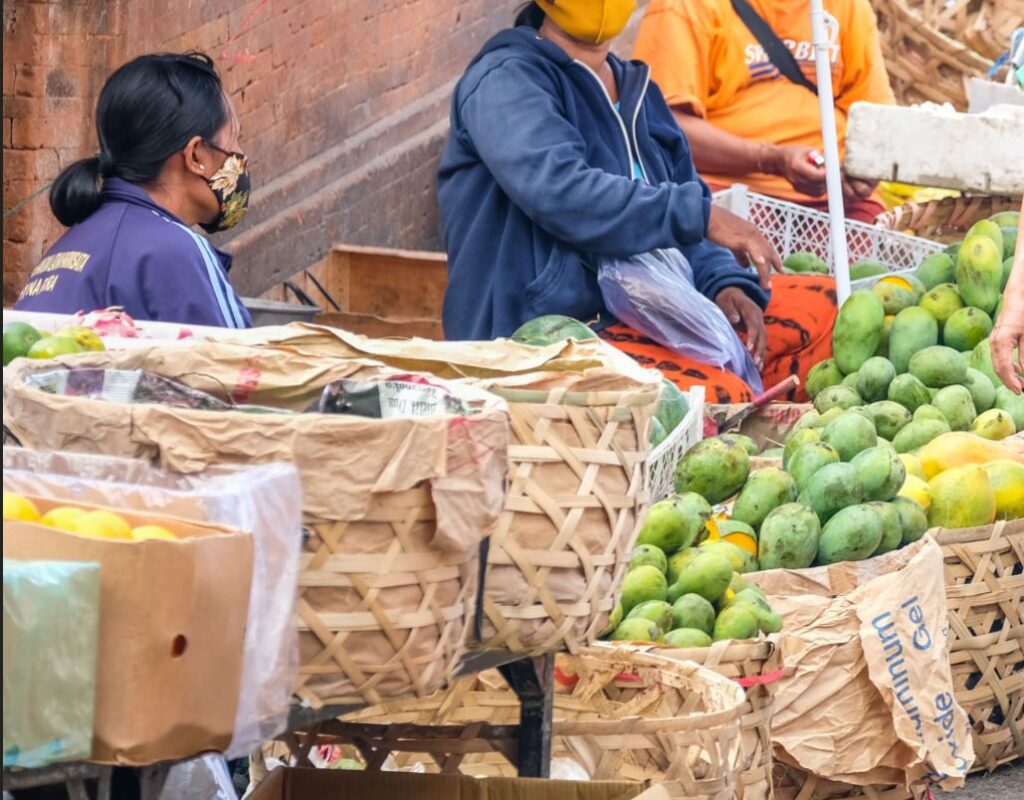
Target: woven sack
[
  {"x": 580, "y": 414},
  {"x": 984, "y": 572},
  {"x": 395, "y": 509}
]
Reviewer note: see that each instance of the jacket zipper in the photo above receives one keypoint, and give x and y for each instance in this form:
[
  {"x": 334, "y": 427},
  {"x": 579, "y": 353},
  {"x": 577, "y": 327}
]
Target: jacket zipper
[
  {"x": 636, "y": 113},
  {"x": 618, "y": 117}
]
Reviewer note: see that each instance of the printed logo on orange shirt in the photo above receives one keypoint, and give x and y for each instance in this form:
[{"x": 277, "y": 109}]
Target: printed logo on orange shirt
[{"x": 761, "y": 68}]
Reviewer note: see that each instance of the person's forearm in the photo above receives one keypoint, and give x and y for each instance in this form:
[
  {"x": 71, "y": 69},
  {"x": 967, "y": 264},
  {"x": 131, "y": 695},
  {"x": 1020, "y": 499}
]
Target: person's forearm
[{"x": 722, "y": 153}]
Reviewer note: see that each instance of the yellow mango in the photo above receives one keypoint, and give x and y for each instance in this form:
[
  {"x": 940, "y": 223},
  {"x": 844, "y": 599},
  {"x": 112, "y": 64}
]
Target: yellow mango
[
  {"x": 1007, "y": 479},
  {"x": 912, "y": 464},
  {"x": 917, "y": 490},
  {"x": 962, "y": 497},
  {"x": 958, "y": 448}
]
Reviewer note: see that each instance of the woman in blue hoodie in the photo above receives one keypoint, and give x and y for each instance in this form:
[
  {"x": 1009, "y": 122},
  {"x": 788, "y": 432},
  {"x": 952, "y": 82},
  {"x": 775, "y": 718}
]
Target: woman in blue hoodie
[
  {"x": 561, "y": 154},
  {"x": 169, "y": 160}
]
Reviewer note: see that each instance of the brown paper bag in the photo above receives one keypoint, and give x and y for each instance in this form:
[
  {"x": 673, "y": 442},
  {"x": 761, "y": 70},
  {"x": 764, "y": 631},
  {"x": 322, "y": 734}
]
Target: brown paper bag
[{"x": 868, "y": 695}]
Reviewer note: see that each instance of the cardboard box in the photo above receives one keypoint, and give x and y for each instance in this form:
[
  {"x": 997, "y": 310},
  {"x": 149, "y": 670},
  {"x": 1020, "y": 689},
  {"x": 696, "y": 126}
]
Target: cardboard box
[
  {"x": 286, "y": 783},
  {"x": 172, "y": 623}
]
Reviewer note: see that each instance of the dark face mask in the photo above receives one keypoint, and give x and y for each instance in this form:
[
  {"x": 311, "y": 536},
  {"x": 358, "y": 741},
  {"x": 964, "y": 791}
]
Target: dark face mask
[{"x": 230, "y": 185}]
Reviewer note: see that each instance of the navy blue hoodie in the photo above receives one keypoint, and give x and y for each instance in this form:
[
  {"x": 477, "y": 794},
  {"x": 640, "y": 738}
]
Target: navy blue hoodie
[
  {"x": 535, "y": 185},
  {"x": 131, "y": 252}
]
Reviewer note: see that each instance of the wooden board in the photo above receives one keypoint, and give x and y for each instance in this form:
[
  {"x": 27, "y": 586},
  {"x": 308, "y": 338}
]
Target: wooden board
[{"x": 385, "y": 283}]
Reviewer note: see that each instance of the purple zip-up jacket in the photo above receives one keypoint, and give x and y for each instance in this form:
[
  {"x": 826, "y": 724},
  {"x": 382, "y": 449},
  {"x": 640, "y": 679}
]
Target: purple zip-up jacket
[{"x": 135, "y": 254}]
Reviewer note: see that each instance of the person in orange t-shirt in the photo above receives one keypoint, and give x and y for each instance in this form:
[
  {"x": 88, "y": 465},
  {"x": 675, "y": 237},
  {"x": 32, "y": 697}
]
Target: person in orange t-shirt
[{"x": 746, "y": 122}]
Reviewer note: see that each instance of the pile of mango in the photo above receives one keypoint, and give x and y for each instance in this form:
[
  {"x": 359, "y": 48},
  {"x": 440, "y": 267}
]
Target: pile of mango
[
  {"x": 685, "y": 585},
  {"x": 913, "y": 351}
]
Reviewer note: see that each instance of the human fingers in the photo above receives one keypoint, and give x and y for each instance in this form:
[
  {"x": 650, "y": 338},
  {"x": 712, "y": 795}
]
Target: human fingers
[
  {"x": 753, "y": 321},
  {"x": 1002, "y": 343}
]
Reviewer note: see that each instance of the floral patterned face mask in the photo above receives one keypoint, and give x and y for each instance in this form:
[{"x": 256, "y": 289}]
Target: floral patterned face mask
[{"x": 230, "y": 185}]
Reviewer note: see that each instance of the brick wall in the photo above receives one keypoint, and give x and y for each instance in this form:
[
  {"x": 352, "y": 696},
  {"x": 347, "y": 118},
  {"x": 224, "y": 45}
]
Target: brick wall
[{"x": 343, "y": 105}]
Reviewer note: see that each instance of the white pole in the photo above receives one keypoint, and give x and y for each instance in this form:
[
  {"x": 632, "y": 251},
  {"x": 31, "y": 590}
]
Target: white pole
[{"x": 833, "y": 181}]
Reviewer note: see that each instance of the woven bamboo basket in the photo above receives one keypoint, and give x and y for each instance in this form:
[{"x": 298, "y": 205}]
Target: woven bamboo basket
[
  {"x": 381, "y": 611},
  {"x": 744, "y": 663},
  {"x": 924, "y": 63},
  {"x": 575, "y": 497},
  {"x": 983, "y": 25},
  {"x": 621, "y": 713},
  {"x": 793, "y": 783},
  {"x": 985, "y": 593},
  {"x": 386, "y": 601},
  {"x": 947, "y": 219}
]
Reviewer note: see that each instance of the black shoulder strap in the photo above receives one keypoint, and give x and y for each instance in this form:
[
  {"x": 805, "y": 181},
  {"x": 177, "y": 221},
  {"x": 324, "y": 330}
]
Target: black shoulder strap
[{"x": 777, "y": 52}]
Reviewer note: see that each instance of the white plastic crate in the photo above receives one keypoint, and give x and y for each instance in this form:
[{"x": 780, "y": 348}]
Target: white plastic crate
[
  {"x": 794, "y": 228},
  {"x": 661, "y": 464}
]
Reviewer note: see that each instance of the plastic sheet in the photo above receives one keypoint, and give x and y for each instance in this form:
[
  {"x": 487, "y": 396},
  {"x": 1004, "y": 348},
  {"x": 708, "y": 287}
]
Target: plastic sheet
[
  {"x": 655, "y": 294},
  {"x": 51, "y": 630},
  {"x": 264, "y": 500}
]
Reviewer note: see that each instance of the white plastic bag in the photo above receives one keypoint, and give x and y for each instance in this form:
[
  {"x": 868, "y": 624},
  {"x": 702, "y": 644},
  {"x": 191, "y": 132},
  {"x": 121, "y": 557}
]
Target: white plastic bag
[
  {"x": 654, "y": 293},
  {"x": 264, "y": 500}
]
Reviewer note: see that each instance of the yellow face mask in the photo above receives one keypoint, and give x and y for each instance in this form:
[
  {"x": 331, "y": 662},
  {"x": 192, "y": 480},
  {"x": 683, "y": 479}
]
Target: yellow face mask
[{"x": 592, "y": 21}]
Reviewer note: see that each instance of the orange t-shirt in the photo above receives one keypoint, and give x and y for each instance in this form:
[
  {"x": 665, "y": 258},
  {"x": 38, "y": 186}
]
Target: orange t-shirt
[{"x": 704, "y": 59}]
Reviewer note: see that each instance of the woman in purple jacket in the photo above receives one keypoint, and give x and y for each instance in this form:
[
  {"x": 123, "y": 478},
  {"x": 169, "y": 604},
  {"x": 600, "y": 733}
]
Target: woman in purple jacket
[{"x": 169, "y": 160}]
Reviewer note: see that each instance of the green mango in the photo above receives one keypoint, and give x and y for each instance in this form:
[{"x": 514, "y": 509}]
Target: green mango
[
  {"x": 1012, "y": 404},
  {"x": 1009, "y": 242},
  {"x": 942, "y": 301},
  {"x": 928, "y": 411},
  {"x": 735, "y": 622},
  {"x": 913, "y": 520},
  {"x": 908, "y": 391},
  {"x": 648, "y": 555},
  {"x": 743, "y": 441},
  {"x": 805, "y": 262},
  {"x": 874, "y": 377},
  {"x": 913, "y": 329},
  {"x": 657, "y": 611},
  {"x": 858, "y": 330},
  {"x": 965, "y": 328},
  {"x": 821, "y": 376},
  {"x": 678, "y": 562},
  {"x": 789, "y": 538},
  {"x": 1006, "y": 219},
  {"x": 833, "y": 487},
  {"x": 983, "y": 393},
  {"x": 808, "y": 459},
  {"x": 795, "y": 440},
  {"x": 938, "y": 366},
  {"x": 672, "y": 406},
  {"x": 889, "y": 418},
  {"x": 765, "y": 490},
  {"x": 693, "y": 611},
  {"x": 937, "y": 268},
  {"x": 1007, "y": 271},
  {"x": 866, "y": 268},
  {"x": 957, "y": 407},
  {"x": 892, "y": 527},
  {"x": 675, "y": 522},
  {"x": 893, "y": 298},
  {"x": 685, "y": 638},
  {"x": 979, "y": 271},
  {"x": 988, "y": 228},
  {"x": 841, "y": 397},
  {"x": 881, "y": 472},
  {"x": 708, "y": 575},
  {"x": 981, "y": 360},
  {"x": 918, "y": 434},
  {"x": 853, "y": 534},
  {"x": 636, "y": 630},
  {"x": 714, "y": 468},
  {"x": 850, "y": 381},
  {"x": 850, "y": 433},
  {"x": 550, "y": 329}
]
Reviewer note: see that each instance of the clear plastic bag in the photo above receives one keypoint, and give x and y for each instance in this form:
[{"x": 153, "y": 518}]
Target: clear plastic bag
[
  {"x": 264, "y": 500},
  {"x": 51, "y": 630},
  {"x": 655, "y": 294}
]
